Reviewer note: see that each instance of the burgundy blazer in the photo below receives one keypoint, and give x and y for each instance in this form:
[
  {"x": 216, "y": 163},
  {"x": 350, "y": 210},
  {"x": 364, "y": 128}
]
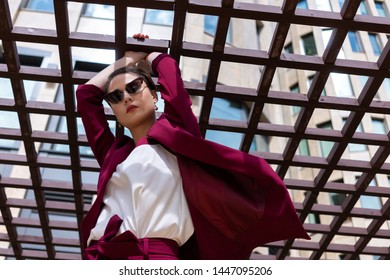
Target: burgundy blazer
[{"x": 237, "y": 202}]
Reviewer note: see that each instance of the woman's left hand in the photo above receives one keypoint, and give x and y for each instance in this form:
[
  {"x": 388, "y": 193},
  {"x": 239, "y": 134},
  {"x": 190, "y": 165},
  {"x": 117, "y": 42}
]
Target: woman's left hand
[{"x": 140, "y": 36}]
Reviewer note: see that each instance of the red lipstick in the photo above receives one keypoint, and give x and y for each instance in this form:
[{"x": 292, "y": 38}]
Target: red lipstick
[{"x": 130, "y": 108}]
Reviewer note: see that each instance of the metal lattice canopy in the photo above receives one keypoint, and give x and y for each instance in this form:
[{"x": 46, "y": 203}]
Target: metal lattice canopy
[{"x": 325, "y": 236}]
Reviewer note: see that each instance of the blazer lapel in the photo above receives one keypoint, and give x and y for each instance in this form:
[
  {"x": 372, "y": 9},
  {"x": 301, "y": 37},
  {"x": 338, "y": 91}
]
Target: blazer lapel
[{"x": 119, "y": 151}]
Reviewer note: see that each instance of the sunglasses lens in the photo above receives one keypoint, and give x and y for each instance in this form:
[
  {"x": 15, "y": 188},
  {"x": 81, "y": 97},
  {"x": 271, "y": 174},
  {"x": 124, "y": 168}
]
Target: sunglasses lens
[
  {"x": 115, "y": 96},
  {"x": 134, "y": 86}
]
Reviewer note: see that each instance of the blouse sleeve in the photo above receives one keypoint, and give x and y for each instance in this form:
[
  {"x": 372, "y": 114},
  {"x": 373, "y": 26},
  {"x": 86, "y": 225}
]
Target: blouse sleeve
[
  {"x": 91, "y": 110},
  {"x": 177, "y": 101}
]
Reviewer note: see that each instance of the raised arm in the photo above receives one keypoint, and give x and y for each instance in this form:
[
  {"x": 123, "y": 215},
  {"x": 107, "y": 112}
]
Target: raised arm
[
  {"x": 91, "y": 109},
  {"x": 130, "y": 58},
  {"x": 177, "y": 101}
]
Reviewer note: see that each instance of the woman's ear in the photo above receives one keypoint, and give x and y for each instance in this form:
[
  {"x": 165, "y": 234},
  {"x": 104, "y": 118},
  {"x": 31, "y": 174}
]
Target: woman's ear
[{"x": 154, "y": 94}]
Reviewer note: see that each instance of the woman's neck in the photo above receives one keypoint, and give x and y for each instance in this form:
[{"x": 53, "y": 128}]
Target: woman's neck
[{"x": 140, "y": 131}]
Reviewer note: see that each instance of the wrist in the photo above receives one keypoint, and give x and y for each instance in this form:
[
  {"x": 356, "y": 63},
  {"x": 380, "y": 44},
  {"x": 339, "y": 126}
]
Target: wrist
[{"x": 151, "y": 56}]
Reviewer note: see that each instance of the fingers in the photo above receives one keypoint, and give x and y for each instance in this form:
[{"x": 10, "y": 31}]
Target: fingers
[{"x": 140, "y": 36}]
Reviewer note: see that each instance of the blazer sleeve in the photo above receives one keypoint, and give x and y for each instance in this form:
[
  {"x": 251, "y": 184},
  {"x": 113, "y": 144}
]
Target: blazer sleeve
[
  {"x": 91, "y": 109},
  {"x": 177, "y": 101}
]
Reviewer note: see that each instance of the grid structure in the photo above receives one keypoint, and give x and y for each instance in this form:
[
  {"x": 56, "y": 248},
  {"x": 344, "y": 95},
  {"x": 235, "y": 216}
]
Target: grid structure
[{"x": 269, "y": 60}]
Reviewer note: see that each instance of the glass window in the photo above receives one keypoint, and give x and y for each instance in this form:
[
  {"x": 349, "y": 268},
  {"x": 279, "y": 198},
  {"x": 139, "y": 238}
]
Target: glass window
[
  {"x": 341, "y": 3},
  {"x": 40, "y": 5},
  {"x": 60, "y": 126},
  {"x": 159, "y": 17},
  {"x": 295, "y": 89},
  {"x": 368, "y": 201},
  {"x": 371, "y": 202},
  {"x": 326, "y": 34},
  {"x": 323, "y": 5},
  {"x": 310, "y": 81},
  {"x": 99, "y": 11},
  {"x": 273, "y": 250},
  {"x": 33, "y": 214},
  {"x": 337, "y": 198},
  {"x": 343, "y": 256},
  {"x": 260, "y": 143},
  {"x": 385, "y": 87},
  {"x": 354, "y": 39},
  {"x": 302, "y": 4},
  {"x": 363, "y": 8},
  {"x": 363, "y": 81},
  {"x": 304, "y": 148},
  {"x": 10, "y": 119},
  {"x": 210, "y": 27},
  {"x": 378, "y": 126},
  {"x": 210, "y": 24},
  {"x": 228, "y": 110},
  {"x": 289, "y": 48},
  {"x": 326, "y": 146},
  {"x": 342, "y": 85},
  {"x": 6, "y": 89},
  {"x": 380, "y": 9},
  {"x": 309, "y": 45},
  {"x": 374, "y": 40},
  {"x": 356, "y": 147},
  {"x": 313, "y": 218}
]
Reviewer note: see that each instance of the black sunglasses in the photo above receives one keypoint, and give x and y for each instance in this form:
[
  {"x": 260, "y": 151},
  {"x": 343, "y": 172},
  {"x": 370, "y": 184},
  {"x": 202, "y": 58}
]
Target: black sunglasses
[{"x": 131, "y": 88}]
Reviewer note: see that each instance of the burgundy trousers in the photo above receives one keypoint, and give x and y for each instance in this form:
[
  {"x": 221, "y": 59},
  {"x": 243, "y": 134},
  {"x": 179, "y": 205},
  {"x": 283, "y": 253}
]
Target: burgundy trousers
[{"x": 127, "y": 246}]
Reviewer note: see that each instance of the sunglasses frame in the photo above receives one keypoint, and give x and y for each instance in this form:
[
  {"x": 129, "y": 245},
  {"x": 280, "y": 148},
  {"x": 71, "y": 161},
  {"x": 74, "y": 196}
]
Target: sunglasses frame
[{"x": 116, "y": 96}]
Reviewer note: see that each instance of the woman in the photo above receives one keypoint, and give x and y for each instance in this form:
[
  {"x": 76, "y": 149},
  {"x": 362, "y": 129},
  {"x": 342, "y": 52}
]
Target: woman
[{"x": 166, "y": 193}]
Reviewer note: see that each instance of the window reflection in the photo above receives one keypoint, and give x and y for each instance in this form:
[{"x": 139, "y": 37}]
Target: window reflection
[
  {"x": 159, "y": 17},
  {"x": 99, "y": 11},
  {"x": 302, "y": 4},
  {"x": 368, "y": 201},
  {"x": 309, "y": 45},
  {"x": 375, "y": 44},
  {"x": 343, "y": 86},
  {"x": 40, "y": 5},
  {"x": 10, "y": 119},
  {"x": 323, "y": 5},
  {"x": 210, "y": 27},
  {"x": 380, "y": 9},
  {"x": 228, "y": 110},
  {"x": 326, "y": 146},
  {"x": 354, "y": 39},
  {"x": 363, "y": 8}
]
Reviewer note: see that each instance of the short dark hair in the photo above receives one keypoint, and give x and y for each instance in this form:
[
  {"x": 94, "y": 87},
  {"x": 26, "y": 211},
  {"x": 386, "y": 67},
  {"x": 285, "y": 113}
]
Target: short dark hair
[{"x": 135, "y": 70}]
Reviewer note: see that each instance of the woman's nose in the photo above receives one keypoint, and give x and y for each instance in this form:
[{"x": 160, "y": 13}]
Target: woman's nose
[{"x": 127, "y": 97}]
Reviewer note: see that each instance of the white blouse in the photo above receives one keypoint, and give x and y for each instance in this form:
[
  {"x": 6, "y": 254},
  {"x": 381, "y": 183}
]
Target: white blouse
[{"x": 146, "y": 192}]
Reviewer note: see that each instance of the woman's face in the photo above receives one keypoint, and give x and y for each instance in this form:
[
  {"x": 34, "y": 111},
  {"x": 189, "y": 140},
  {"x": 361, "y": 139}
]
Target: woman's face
[{"x": 134, "y": 110}]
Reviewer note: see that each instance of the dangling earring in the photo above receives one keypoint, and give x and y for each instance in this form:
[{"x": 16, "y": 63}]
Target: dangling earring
[{"x": 155, "y": 107}]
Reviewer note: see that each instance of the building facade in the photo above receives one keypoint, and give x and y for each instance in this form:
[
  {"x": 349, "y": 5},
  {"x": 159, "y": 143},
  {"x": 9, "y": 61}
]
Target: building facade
[
  {"x": 242, "y": 33},
  {"x": 358, "y": 45}
]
